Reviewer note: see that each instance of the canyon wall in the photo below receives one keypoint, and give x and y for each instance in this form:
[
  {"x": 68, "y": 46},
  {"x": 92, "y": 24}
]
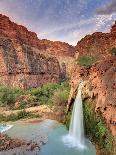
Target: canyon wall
[
  {"x": 98, "y": 44},
  {"x": 26, "y": 61},
  {"x": 100, "y": 78}
]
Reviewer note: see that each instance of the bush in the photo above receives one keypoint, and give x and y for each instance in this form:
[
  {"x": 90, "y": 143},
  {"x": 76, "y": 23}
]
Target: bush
[
  {"x": 113, "y": 51},
  {"x": 68, "y": 119},
  {"x": 8, "y": 96},
  {"x": 59, "y": 98},
  {"x": 32, "y": 97},
  {"x": 20, "y": 115},
  {"x": 44, "y": 92},
  {"x": 86, "y": 61},
  {"x": 25, "y": 101},
  {"x": 96, "y": 128}
]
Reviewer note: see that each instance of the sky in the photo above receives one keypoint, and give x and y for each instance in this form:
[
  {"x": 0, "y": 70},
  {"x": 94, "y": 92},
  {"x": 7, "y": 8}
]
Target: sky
[{"x": 61, "y": 20}]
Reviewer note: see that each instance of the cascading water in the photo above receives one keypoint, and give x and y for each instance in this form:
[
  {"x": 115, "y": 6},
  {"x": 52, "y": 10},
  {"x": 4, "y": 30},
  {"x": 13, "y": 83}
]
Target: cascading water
[
  {"x": 76, "y": 129},
  {"x": 75, "y": 138}
]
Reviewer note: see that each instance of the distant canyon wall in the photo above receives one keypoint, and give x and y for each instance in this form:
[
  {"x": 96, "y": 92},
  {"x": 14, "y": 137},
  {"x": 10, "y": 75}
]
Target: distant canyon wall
[{"x": 26, "y": 61}]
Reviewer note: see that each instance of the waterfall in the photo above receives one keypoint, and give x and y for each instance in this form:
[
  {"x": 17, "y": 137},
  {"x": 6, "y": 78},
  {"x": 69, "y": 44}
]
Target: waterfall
[{"x": 76, "y": 129}]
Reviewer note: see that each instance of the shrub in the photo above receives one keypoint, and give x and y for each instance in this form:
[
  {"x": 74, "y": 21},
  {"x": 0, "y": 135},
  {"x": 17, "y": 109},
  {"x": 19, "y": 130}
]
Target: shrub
[
  {"x": 68, "y": 119},
  {"x": 96, "y": 128},
  {"x": 59, "y": 98},
  {"x": 86, "y": 61},
  {"x": 25, "y": 101},
  {"x": 113, "y": 51},
  {"x": 8, "y": 96},
  {"x": 32, "y": 97},
  {"x": 20, "y": 115},
  {"x": 44, "y": 92}
]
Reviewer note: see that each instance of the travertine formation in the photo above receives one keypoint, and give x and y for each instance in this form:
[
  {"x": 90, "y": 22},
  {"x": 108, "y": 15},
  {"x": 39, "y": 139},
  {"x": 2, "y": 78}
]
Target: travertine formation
[{"x": 101, "y": 77}]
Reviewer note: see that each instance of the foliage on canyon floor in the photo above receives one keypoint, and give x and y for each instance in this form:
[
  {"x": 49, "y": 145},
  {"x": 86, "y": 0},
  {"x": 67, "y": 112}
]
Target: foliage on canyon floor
[
  {"x": 50, "y": 94},
  {"x": 95, "y": 127},
  {"x": 60, "y": 96},
  {"x": 20, "y": 115},
  {"x": 8, "y": 96}
]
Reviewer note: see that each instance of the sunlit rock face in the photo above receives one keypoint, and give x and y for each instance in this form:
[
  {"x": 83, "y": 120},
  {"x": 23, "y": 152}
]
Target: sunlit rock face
[
  {"x": 21, "y": 34},
  {"x": 101, "y": 77},
  {"x": 26, "y": 61},
  {"x": 100, "y": 86},
  {"x": 113, "y": 30},
  {"x": 98, "y": 44},
  {"x": 21, "y": 66}
]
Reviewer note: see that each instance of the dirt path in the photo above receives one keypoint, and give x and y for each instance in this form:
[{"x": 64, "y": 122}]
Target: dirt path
[
  {"x": 44, "y": 111},
  {"x": 38, "y": 109}
]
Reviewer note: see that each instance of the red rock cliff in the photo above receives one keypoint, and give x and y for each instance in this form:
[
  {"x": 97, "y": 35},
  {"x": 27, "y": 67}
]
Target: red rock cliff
[
  {"x": 98, "y": 44},
  {"x": 101, "y": 76},
  {"x": 27, "y": 61},
  {"x": 113, "y": 30},
  {"x": 20, "y": 33}
]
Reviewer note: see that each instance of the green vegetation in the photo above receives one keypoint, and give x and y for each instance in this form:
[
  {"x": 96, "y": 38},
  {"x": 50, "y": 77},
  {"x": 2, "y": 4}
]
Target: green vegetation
[
  {"x": 68, "y": 119},
  {"x": 43, "y": 93},
  {"x": 60, "y": 96},
  {"x": 8, "y": 96},
  {"x": 49, "y": 94},
  {"x": 20, "y": 115},
  {"x": 52, "y": 95},
  {"x": 95, "y": 127},
  {"x": 86, "y": 61},
  {"x": 113, "y": 51},
  {"x": 26, "y": 101}
]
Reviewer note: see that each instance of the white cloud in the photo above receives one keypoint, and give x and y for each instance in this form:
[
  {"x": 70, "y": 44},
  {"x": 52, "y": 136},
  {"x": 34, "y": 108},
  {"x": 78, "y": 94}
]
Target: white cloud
[{"x": 69, "y": 24}]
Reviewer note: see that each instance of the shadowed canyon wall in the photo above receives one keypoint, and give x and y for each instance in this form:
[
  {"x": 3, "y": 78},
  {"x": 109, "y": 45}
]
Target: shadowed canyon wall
[{"x": 26, "y": 61}]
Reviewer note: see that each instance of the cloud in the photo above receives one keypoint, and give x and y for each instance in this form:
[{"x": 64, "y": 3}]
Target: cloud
[
  {"x": 109, "y": 8},
  {"x": 67, "y": 27},
  {"x": 64, "y": 20}
]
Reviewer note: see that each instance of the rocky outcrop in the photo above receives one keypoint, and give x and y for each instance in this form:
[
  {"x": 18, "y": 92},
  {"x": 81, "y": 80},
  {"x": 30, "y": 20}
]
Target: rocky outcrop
[
  {"x": 98, "y": 44},
  {"x": 27, "y": 61},
  {"x": 100, "y": 78},
  {"x": 113, "y": 30},
  {"x": 22, "y": 66},
  {"x": 17, "y": 32},
  {"x": 100, "y": 88},
  {"x": 7, "y": 143}
]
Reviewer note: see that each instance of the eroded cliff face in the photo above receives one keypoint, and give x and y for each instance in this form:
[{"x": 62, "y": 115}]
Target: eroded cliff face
[
  {"x": 98, "y": 44},
  {"x": 20, "y": 33},
  {"x": 26, "y": 61},
  {"x": 100, "y": 78},
  {"x": 21, "y": 66},
  {"x": 100, "y": 85}
]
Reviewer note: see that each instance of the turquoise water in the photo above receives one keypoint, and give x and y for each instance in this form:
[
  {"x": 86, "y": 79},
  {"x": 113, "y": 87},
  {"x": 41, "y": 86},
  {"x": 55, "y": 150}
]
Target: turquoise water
[
  {"x": 57, "y": 146},
  {"x": 57, "y": 143},
  {"x": 4, "y": 128}
]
